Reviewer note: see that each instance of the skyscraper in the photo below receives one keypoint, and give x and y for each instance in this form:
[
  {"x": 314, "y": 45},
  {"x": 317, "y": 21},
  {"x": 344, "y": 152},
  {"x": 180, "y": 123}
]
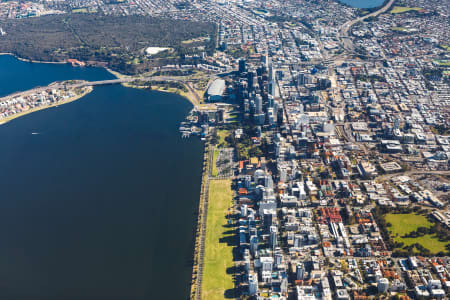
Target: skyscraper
[
  {"x": 252, "y": 284},
  {"x": 242, "y": 66},
  {"x": 273, "y": 236},
  {"x": 258, "y": 104}
]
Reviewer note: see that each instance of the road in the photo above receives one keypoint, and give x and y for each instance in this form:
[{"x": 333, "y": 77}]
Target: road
[
  {"x": 203, "y": 211},
  {"x": 343, "y": 31},
  {"x": 412, "y": 172}
]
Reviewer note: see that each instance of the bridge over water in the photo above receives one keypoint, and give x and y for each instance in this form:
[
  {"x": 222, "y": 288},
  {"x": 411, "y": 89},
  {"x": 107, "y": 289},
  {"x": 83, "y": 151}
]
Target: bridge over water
[{"x": 58, "y": 85}]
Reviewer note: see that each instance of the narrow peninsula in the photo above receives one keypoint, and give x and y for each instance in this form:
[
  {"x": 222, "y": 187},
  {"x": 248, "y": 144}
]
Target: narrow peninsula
[{"x": 58, "y": 93}]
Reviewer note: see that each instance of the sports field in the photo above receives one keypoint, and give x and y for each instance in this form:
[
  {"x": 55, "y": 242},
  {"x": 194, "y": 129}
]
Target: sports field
[{"x": 403, "y": 9}]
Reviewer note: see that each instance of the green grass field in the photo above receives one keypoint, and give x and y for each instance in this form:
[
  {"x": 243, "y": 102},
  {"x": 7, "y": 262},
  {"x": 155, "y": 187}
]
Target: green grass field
[
  {"x": 443, "y": 63},
  {"x": 214, "y": 171},
  {"x": 428, "y": 241},
  {"x": 403, "y": 9},
  {"x": 199, "y": 39},
  {"x": 222, "y": 134},
  {"x": 218, "y": 252},
  {"x": 259, "y": 11},
  {"x": 80, "y": 10},
  {"x": 402, "y": 29},
  {"x": 405, "y": 223}
]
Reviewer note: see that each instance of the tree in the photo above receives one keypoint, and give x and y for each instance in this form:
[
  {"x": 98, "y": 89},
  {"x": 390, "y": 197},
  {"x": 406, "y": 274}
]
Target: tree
[
  {"x": 255, "y": 151},
  {"x": 215, "y": 139}
]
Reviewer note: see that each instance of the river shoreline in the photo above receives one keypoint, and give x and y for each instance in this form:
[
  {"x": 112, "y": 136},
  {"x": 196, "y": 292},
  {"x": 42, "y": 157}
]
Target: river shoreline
[
  {"x": 199, "y": 222},
  {"x": 95, "y": 64},
  {"x": 195, "y": 286},
  {"x": 71, "y": 172},
  {"x": 77, "y": 97},
  {"x": 200, "y": 230},
  {"x": 34, "y": 61},
  {"x": 187, "y": 95},
  {"x": 199, "y": 235},
  {"x": 164, "y": 90}
]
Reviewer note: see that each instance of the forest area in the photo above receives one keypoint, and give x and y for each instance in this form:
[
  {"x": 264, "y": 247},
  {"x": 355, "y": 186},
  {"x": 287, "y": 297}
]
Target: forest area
[{"x": 118, "y": 42}]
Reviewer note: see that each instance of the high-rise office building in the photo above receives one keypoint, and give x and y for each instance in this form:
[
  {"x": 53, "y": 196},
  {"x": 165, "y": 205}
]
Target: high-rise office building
[
  {"x": 242, "y": 66},
  {"x": 252, "y": 284}
]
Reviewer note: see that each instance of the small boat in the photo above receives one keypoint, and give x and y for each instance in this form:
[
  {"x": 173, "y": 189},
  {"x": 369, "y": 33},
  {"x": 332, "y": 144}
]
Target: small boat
[{"x": 35, "y": 133}]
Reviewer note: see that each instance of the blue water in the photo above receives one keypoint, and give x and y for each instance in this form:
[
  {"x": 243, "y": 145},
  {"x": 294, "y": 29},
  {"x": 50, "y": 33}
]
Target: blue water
[
  {"x": 17, "y": 76},
  {"x": 101, "y": 203},
  {"x": 363, "y": 3}
]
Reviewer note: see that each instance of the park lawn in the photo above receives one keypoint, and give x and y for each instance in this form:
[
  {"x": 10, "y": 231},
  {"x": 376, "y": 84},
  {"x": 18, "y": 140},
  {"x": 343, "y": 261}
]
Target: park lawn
[
  {"x": 403, "y": 9},
  {"x": 429, "y": 241},
  {"x": 218, "y": 255},
  {"x": 136, "y": 61},
  {"x": 214, "y": 171},
  {"x": 399, "y": 29},
  {"x": 405, "y": 223},
  {"x": 199, "y": 39},
  {"x": 234, "y": 115},
  {"x": 79, "y": 10},
  {"x": 233, "y": 118},
  {"x": 222, "y": 134},
  {"x": 443, "y": 63},
  {"x": 259, "y": 11}
]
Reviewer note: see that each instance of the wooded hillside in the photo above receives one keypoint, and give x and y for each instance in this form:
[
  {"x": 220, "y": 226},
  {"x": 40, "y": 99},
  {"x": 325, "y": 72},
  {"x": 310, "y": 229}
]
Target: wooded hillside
[{"x": 118, "y": 41}]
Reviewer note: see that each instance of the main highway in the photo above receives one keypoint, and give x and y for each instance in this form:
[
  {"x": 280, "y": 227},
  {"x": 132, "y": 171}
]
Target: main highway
[{"x": 343, "y": 31}]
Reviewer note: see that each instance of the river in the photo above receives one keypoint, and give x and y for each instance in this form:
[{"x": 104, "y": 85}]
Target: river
[
  {"x": 363, "y": 3},
  {"x": 100, "y": 201}
]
